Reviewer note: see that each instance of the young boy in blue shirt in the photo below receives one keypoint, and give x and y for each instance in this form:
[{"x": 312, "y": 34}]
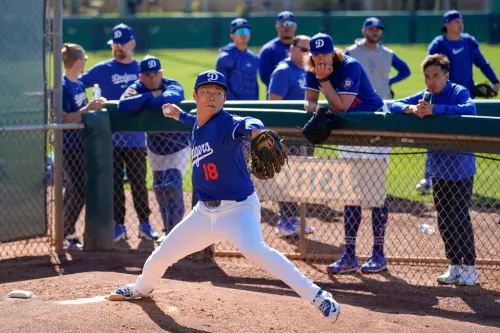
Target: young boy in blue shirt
[{"x": 75, "y": 103}]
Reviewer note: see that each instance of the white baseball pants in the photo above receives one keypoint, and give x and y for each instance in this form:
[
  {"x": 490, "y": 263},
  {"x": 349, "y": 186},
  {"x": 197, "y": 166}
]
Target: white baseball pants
[{"x": 238, "y": 222}]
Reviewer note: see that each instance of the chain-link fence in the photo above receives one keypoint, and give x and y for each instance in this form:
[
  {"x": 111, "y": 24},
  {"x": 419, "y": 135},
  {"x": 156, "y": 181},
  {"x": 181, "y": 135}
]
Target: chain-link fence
[{"x": 359, "y": 202}]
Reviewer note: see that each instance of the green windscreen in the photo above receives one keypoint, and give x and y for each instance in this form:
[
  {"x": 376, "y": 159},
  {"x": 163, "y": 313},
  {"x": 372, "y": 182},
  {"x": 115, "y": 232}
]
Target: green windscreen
[{"x": 22, "y": 102}]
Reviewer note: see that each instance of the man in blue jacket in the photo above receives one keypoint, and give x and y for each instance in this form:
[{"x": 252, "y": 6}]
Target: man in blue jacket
[
  {"x": 168, "y": 152},
  {"x": 277, "y": 49},
  {"x": 452, "y": 173},
  {"x": 463, "y": 52},
  {"x": 238, "y": 64},
  {"x": 114, "y": 76}
]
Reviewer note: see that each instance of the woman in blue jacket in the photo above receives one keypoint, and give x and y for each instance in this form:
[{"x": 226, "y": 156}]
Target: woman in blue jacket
[{"x": 452, "y": 173}]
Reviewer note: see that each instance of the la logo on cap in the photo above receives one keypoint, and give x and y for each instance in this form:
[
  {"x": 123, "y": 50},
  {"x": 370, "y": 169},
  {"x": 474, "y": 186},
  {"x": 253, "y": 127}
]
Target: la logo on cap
[
  {"x": 212, "y": 76},
  {"x": 319, "y": 43}
]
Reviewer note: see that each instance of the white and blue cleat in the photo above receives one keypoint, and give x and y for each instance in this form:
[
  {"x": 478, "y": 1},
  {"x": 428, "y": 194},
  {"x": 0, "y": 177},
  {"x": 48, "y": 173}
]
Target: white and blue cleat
[
  {"x": 327, "y": 305},
  {"x": 127, "y": 293}
]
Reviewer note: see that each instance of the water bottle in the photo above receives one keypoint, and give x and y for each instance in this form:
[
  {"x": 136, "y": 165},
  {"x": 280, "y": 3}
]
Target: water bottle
[
  {"x": 427, "y": 97},
  {"x": 426, "y": 229},
  {"x": 96, "y": 92}
]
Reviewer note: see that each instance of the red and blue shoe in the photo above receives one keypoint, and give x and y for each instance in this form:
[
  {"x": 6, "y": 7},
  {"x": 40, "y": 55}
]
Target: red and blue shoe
[
  {"x": 375, "y": 264},
  {"x": 346, "y": 264}
]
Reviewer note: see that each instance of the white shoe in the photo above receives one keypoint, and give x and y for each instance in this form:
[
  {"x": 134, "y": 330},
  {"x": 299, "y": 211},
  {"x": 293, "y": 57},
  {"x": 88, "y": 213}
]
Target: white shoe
[
  {"x": 468, "y": 276},
  {"x": 127, "y": 293},
  {"x": 327, "y": 305},
  {"x": 424, "y": 186},
  {"x": 451, "y": 276},
  {"x": 308, "y": 228}
]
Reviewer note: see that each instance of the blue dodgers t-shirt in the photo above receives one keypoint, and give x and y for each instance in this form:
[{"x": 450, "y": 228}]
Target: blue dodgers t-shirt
[
  {"x": 74, "y": 99},
  {"x": 351, "y": 79},
  {"x": 219, "y": 167},
  {"x": 288, "y": 81},
  {"x": 114, "y": 78}
]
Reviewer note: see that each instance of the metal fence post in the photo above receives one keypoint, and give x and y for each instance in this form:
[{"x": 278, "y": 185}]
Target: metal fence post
[{"x": 58, "y": 177}]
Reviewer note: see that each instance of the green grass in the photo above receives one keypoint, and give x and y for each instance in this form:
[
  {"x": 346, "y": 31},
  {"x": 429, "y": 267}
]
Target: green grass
[{"x": 404, "y": 170}]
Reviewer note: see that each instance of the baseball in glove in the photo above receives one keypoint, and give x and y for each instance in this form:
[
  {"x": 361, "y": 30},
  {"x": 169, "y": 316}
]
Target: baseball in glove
[
  {"x": 483, "y": 90},
  {"x": 268, "y": 154}
]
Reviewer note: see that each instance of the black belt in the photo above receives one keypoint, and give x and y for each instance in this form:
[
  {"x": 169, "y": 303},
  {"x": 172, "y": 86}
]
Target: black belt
[{"x": 216, "y": 203}]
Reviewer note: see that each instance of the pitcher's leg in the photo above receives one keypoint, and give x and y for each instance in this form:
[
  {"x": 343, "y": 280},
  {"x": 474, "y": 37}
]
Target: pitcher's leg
[
  {"x": 192, "y": 234},
  {"x": 242, "y": 227}
]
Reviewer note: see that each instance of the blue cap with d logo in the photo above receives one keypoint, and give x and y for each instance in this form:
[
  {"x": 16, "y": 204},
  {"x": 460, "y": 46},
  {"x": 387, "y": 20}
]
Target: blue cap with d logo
[
  {"x": 321, "y": 44},
  {"x": 211, "y": 77},
  {"x": 121, "y": 34},
  {"x": 150, "y": 64}
]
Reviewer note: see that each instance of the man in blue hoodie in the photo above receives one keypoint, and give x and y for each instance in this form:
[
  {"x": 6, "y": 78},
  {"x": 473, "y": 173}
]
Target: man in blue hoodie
[
  {"x": 168, "y": 152},
  {"x": 464, "y": 53},
  {"x": 452, "y": 173},
  {"x": 114, "y": 76},
  {"x": 238, "y": 64},
  {"x": 277, "y": 49}
]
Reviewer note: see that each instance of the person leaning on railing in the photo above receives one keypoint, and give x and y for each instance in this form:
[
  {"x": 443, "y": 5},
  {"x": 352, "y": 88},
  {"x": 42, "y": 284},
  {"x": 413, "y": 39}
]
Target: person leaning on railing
[
  {"x": 74, "y": 103},
  {"x": 452, "y": 174}
]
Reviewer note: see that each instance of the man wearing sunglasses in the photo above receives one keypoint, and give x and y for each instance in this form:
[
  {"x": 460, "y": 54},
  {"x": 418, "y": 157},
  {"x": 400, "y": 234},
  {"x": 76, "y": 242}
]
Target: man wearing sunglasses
[
  {"x": 288, "y": 83},
  {"x": 277, "y": 49},
  {"x": 238, "y": 64}
]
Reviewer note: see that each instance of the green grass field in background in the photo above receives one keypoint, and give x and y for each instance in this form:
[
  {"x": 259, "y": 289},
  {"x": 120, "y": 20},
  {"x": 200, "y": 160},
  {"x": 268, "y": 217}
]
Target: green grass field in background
[{"x": 404, "y": 170}]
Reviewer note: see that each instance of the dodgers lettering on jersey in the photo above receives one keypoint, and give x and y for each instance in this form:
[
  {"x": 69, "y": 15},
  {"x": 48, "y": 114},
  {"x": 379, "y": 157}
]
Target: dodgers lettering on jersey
[
  {"x": 173, "y": 92},
  {"x": 74, "y": 99},
  {"x": 114, "y": 78},
  {"x": 271, "y": 54},
  {"x": 351, "y": 79},
  {"x": 288, "y": 81},
  {"x": 462, "y": 53},
  {"x": 219, "y": 168}
]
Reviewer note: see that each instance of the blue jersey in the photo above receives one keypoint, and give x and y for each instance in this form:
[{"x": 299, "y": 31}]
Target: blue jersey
[
  {"x": 271, "y": 54},
  {"x": 219, "y": 168},
  {"x": 351, "y": 79},
  {"x": 114, "y": 78},
  {"x": 240, "y": 69},
  {"x": 463, "y": 53},
  {"x": 288, "y": 81},
  {"x": 453, "y": 100},
  {"x": 74, "y": 99},
  {"x": 173, "y": 93}
]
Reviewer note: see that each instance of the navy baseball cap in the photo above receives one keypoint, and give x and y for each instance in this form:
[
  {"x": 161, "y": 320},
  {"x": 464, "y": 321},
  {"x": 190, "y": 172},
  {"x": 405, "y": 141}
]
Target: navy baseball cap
[
  {"x": 373, "y": 22},
  {"x": 321, "y": 44},
  {"x": 211, "y": 77},
  {"x": 121, "y": 34},
  {"x": 450, "y": 16},
  {"x": 150, "y": 64},
  {"x": 285, "y": 16},
  {"x": 239, "y": 23}
]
